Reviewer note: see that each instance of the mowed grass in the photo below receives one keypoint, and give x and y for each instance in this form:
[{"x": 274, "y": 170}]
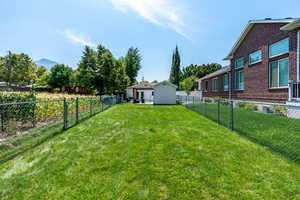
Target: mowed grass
[
  {"x": 279, "y": 133},
  {"x": 149, "y": 152}
]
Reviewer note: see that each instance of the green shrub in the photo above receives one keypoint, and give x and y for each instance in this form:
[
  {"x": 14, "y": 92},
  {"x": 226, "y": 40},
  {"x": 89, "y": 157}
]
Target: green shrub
[
  {"x": 250, "y": 107},
  {"x": 17, "y": 112},
  {"x": 16, "y": 97},
  {"x": 282, "y": 110},
  {"x": 242, "y": 104},
  {"x": 247, "y": 106}
]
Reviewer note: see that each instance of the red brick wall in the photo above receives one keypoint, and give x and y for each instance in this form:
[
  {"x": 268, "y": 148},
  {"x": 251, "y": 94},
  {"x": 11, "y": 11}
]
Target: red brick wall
[
  {"x": 218, "y": 94},
  {"x": 256, "y": 77}
]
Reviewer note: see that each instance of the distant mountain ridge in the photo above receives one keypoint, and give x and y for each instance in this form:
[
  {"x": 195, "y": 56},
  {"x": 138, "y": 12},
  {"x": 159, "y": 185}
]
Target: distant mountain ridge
[{"x": 46, "y": 63}]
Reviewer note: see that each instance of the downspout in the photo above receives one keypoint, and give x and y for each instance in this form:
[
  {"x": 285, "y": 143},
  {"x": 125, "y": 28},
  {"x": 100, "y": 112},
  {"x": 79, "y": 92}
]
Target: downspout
[
  {"x": 298, "y": 56},
  {"x": 229, "y": 84}
]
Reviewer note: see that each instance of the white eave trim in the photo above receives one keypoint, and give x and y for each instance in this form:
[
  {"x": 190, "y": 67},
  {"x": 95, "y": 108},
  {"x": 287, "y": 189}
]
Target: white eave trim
[
  {"x": 248, "y": 28},
  {"x": 224, "y": 70},
  {"x": 291, "y": 26}
]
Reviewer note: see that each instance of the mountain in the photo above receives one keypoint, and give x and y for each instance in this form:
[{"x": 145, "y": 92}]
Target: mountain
[{"x": 46, "y": 63}]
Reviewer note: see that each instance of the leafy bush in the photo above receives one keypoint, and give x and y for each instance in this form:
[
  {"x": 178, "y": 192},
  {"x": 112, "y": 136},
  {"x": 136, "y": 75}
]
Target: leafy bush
[
  {"x": 207, "y": 100},
  {"x": 247, "y": 106},
  {"x": 17, "y": 112},
  {"x": 41, "y": 110},
  {"x": 242, "y": 104},
  {"x": 6, "y": 97},
  {"x": 282, "y": 110},
  {"x": 251, "y": 107}
]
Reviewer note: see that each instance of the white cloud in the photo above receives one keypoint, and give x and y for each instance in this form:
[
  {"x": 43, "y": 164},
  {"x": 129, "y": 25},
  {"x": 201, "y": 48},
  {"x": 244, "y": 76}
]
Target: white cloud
[
  {"x": 76, "y": 38},
  {"x": 160, "y": 12}
]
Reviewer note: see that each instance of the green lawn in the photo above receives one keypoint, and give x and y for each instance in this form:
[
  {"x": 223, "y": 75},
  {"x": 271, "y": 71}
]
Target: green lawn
[
  {"x": 16, "y": 145},
  {"x": 279, "y": 133},
  {"x": 149, "y": 152}
]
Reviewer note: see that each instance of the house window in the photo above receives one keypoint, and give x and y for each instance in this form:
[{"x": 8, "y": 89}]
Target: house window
[
  {"x": 239, "y": 63},
  {"x": 215, "y": 84},
  {"x": 279, "y": 73},
  {"x": 206, "y": 86},
  {"x": 239, "y": 80},
  {"x": 255, "y": 57},
  {"x": 225, "y": 82},
  {"x": 279, "y": 48}
]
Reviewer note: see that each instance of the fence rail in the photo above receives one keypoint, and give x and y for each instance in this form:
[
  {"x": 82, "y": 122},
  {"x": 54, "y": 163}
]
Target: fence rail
[
  {"x": 23, "y": 124},
  {"x": 276, "y": 126}
]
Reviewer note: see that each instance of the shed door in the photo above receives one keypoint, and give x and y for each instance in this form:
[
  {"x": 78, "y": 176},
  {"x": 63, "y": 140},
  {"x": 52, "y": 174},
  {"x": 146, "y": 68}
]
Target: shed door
[{"x": 142, "y": 95}]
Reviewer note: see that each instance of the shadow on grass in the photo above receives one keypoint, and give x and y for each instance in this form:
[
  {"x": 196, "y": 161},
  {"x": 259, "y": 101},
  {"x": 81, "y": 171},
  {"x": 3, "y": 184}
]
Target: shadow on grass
[{"x": 278, "y": 133}]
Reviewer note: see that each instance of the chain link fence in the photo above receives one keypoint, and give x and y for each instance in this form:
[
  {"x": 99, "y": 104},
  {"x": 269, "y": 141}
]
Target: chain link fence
[
  {"x": 26, "y": 124},
  {"x": 276, "y": 126}
]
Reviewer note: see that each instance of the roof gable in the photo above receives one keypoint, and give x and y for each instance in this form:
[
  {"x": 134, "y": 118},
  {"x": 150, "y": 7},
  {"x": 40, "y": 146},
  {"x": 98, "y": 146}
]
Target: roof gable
[
  {"x": 249, "y": 27},
  {"x": 166, "y": 83}
]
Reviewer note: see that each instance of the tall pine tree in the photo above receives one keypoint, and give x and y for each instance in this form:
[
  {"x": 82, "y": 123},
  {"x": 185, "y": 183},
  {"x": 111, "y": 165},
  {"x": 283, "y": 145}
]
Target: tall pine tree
[{"x": 175, "y": 68}]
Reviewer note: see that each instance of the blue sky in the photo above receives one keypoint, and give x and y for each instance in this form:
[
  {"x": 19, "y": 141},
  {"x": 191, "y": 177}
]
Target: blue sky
[{"x": 204, "y": 30}]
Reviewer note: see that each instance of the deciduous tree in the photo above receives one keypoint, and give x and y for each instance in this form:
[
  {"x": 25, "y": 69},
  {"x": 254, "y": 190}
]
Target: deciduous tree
[
  {"x": 60, "y": 77},
  {"x": 133, "y": 64},
  {"x": 188, "y": 84}
]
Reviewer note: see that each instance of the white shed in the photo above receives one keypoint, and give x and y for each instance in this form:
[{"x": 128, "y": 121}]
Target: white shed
[{"x": 164, "y": 93}]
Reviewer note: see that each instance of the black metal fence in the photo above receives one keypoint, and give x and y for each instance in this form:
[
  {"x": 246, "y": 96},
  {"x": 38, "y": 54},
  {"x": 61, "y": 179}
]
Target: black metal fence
[
  {"x": 276, "y": 126},
  {"x": 24, "y": 124}
]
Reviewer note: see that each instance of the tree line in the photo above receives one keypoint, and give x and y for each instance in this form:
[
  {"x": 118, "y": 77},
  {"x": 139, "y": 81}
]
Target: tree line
[
  {"x": 185, "y": 78},
  {"x": 98, "y": 72}
]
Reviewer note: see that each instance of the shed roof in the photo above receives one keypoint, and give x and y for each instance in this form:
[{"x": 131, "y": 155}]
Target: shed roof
[{"x": 165, "y": 83}]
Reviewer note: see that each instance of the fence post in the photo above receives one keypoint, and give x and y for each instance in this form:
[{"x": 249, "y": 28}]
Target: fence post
[
  {"x": 205, "y": 108},
  {"x": 91, "y": 111},
  {"x": 219, "y": 107},
  {"x": 77, "y": 111},
  {"x": 193, "y": 100},
  {"x": 34, "y": 115},
  {"x": 2, "y": 118},
  {"x": 101, "y": 101},
  {"x": 65, "y": 114},
  {"x": 231, "y": 116}
]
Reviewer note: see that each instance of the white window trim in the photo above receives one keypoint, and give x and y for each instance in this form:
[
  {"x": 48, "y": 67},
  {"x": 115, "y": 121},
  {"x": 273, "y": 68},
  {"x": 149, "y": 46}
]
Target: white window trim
[
  {"x": 227, "y": 83},
  {"x": 277, "y": 43},
  {"x": 255, "y": 61},
  {"x": 236, "y": 62},
  {"x": 278, "y": 87},
  {"x": 298, "y": 56},
  {"x": 242, "y": 89},
  {"x": 212, "y": 88},
  {"x": 205, "y": 88}
]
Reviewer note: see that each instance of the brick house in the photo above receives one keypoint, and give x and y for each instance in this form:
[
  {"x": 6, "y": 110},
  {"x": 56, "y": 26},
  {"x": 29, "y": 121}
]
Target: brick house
[
  {"x": 264, "y": 64},
  {"x": 216, "y": 84}
]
